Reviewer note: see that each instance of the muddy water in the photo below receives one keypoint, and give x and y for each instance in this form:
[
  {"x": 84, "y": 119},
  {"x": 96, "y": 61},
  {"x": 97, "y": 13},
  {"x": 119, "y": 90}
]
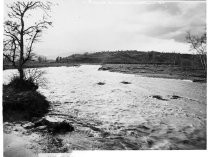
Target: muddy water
[{"x": 141, "y": 113}]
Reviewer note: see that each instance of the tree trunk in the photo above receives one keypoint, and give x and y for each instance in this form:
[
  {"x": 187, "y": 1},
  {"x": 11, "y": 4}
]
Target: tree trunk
[
  {"x": 203, "y": 57},
  {"x": 21, "y": 73},
  {"x": 20, "y": 68}
]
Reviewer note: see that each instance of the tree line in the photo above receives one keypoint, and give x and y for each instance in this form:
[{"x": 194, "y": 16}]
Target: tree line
[{"x": 136, "y": 57}]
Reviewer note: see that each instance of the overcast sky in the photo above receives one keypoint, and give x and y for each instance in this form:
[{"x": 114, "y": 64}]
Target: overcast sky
[{"x": 101, "y": 25}]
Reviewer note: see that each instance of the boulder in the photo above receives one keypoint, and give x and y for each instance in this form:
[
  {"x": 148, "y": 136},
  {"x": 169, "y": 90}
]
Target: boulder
[
  {"x": 55, "y": 124},
  {"x": 29, "y": 125},
  {"x": 63, "y": 127},
  {"x": 125, "y": 82},
  {"x": 104, "y": 68},
  {"x": 41, "y": 127},
  {"x": 101, "y": 83},
  {"x": 175, "y": 97}
]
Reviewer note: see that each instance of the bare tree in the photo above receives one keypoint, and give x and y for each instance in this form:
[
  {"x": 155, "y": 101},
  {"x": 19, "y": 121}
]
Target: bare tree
[
  {"x": 198, "y": 44},
  {"x": 20, "y": 38}
]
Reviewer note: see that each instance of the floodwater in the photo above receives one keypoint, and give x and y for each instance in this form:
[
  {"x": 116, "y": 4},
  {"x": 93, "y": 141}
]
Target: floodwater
[{"x": 141, "y": 113}]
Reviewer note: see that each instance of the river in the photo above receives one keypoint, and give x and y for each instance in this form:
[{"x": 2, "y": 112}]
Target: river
[{"x": 126, "y": 111}]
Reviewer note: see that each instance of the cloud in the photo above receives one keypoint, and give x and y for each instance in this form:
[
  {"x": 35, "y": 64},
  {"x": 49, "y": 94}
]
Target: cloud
[
  {"x": 171, "y": 20},
  {"x": 81, "y": 26},
  {"x": 170, "y": 8},
  {"x": 162, "y": 30}
]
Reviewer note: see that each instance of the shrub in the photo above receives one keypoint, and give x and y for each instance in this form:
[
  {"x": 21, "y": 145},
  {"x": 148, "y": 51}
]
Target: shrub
[
  {"x": 22, "y": 85},
  {"x": 28, "y": 103},
  {"x": 32, "y": 80},
  {"x": 20, "y": 98},
  {"x": 36, "y": 76}
]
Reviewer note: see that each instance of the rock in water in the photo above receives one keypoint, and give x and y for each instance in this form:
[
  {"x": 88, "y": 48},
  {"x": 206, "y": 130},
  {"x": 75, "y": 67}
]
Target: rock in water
[
  {"x": 29, "y": 125},
  {"x": 104, "y": 68},
  {"x": 125, "y": 82},
  {"x": 63, "y": 127},
  {"x": 101, "y": 83},
  {"x": 55, "y": 124},
  {"x": 41, "y": 127}
]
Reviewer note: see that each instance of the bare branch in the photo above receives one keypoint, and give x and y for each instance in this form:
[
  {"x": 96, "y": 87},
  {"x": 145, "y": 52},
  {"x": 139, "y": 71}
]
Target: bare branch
[
  {"x": 38, "y": 26},
  {"x": 30, "y": 47}
]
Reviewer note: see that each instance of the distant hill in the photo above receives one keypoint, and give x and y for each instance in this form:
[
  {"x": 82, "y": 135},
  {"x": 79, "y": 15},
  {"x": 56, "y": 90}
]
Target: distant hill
[{"x": 134, "y": 57}]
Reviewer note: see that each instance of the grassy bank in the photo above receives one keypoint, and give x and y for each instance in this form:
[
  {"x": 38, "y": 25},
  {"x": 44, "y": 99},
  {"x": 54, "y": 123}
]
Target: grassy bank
[{"x": 161, "y": 71}]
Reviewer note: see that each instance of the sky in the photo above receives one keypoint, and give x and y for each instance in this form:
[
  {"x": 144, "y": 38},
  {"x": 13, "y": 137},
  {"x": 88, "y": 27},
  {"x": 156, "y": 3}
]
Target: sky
[{"x": 104, "y": 25}]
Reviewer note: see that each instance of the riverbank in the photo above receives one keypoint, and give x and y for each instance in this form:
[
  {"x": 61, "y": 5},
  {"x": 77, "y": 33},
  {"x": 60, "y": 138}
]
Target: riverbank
[{"x": 158, "y": 71}]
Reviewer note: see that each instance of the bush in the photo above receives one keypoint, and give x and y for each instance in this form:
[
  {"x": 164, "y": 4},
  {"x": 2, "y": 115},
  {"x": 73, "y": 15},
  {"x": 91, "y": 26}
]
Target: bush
[
  {"x": 32, "y": 80},
  {"x": 28, "y": 103},
  {"x": 22, "y": 85},
  {"x": 20, "y": 98},
  {"x": 36, "y": 76}
]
